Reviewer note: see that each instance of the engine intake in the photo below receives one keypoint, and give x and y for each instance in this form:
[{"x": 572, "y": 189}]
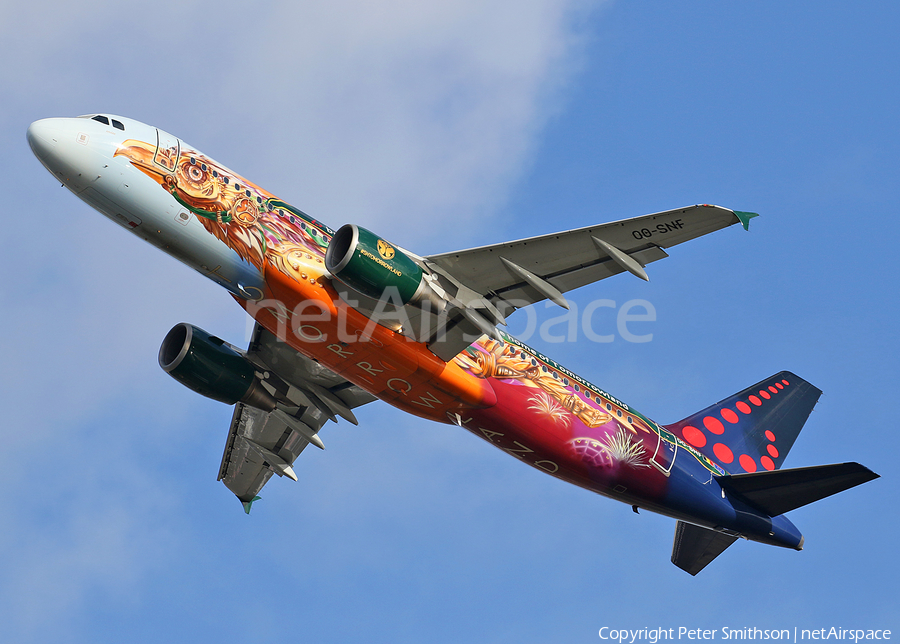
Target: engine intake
[
  {"x": 369, "y": 264},
  {"x": 211, "y": 367}
]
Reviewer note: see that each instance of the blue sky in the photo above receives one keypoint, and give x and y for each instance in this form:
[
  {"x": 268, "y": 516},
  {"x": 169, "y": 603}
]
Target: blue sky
[{"x": 441, "y": 127}]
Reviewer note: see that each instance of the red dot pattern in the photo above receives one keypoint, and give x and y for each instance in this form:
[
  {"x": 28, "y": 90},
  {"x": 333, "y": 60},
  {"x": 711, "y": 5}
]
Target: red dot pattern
[
  {"x": 723, "y": 453},
  {"x": 714, "y": 425},
  {"x": 747, "y": 463},
  {"x": 697, "y": 438},
  {"x": 730, "y": 416},
  {"x": 693, "y": 436}
]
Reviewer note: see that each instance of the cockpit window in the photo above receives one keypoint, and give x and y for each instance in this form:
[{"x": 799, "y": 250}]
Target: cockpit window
[
  {"x": 118, "y": 125},
  {"x": 101, "y": 119}
]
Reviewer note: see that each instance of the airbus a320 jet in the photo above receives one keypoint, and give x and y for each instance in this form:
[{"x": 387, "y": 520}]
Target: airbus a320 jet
[{"x": 347, "y": 317}]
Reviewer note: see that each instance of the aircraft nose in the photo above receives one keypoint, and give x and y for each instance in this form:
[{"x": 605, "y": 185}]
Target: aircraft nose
[
  {"x": 62, "y": 146},
  {"x": 43, "y": 137}
]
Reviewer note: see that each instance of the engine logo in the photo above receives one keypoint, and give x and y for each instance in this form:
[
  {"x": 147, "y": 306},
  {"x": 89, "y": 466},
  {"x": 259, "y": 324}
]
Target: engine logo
[{"x": 385, "y": 249}]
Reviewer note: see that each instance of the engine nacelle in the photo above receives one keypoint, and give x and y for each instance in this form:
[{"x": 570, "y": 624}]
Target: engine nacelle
[
  {"x": 365, "y": 262},
  {"x": 211, "y": 367}
]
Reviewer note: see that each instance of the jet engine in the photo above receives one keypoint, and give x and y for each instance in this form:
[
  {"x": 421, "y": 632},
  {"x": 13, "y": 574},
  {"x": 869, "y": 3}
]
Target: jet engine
[
  {"x": 369, "y": 264},
  {"x": 212, "y": 367}
]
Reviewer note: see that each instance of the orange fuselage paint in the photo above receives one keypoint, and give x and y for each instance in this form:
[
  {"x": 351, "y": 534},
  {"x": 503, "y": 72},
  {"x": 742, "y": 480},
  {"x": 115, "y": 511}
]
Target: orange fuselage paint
[{"x": 310, "y": 316}]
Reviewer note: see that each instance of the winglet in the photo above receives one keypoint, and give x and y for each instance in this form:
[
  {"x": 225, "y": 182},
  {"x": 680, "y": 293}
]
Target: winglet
[
  {"x": 745, "y": 217},
  {"x": 249, "y": 503}
]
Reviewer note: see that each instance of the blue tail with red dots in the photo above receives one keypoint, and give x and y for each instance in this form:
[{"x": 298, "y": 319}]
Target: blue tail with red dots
[
  {"x": 752, "y": 430},
  {"x": 749, "y": 435}
]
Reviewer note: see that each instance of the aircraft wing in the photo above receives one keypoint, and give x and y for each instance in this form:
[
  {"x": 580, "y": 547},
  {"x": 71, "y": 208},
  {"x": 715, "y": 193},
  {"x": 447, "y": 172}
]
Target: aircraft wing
[
  {"x": 486, "y": 284},
  {"x": 574, "y": 258},
  {"x": 261, "y": 444}
]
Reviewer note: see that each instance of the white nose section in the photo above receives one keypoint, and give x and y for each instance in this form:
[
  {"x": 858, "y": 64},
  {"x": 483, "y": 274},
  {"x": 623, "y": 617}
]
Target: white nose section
[
  {"x": 61, "y": 145},
  {"x": 43, "y": 137}
]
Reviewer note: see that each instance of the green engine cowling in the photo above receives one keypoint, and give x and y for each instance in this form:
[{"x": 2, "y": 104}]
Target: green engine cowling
[
  {"x": 369, "y": 264},
  {"x": 211, "y": 367}
]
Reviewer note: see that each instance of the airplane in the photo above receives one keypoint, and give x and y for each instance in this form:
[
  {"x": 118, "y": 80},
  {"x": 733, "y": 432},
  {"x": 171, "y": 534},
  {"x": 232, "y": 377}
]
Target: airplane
[{"x": 345, "y": 317}]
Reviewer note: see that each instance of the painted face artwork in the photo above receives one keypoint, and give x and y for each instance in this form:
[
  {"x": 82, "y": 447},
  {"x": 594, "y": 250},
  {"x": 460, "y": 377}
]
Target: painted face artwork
[{"x": 260, "y": 228}]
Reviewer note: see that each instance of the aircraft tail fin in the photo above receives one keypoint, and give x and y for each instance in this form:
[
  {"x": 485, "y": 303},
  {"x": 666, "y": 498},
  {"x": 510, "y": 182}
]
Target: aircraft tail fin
[
  {"x": 753, "y": 429},
  {"x": 778, "y": 492},
  {"x": 696, "y": 547}
]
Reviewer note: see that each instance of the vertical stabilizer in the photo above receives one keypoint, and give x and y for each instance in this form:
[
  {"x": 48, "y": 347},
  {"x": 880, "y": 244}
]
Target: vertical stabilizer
[{"x": 752, "y": 430}]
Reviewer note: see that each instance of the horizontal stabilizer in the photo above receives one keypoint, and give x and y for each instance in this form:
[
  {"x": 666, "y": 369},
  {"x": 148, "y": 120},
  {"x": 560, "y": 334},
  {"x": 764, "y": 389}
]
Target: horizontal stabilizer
[
  {"x": 695, "y": 547},
  {"x": 784, "y": 490}
]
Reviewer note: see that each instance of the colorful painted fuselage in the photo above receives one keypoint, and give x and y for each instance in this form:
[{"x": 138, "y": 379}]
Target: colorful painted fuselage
[{"x": 270, "y": 256}]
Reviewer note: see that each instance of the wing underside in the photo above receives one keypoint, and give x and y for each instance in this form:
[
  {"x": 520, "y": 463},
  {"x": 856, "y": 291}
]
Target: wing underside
[
  {"x": 501, "y": 278},
  {"x": 261, "y": 444},
  {"x": 574, "y": 258}
]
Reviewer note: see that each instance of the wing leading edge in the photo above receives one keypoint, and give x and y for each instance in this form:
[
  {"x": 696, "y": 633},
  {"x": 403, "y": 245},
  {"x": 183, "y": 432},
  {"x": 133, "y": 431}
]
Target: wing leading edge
[{"x": 574, "y": 258}]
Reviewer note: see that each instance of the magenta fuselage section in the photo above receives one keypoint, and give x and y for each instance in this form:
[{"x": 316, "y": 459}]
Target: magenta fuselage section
[
  {"x": 555, "y": 421},
  {"x": 560, "y": 424}
]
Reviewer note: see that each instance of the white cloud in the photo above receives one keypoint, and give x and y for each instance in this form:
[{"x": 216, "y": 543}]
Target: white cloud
[{"x": 401, "y": 117}]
